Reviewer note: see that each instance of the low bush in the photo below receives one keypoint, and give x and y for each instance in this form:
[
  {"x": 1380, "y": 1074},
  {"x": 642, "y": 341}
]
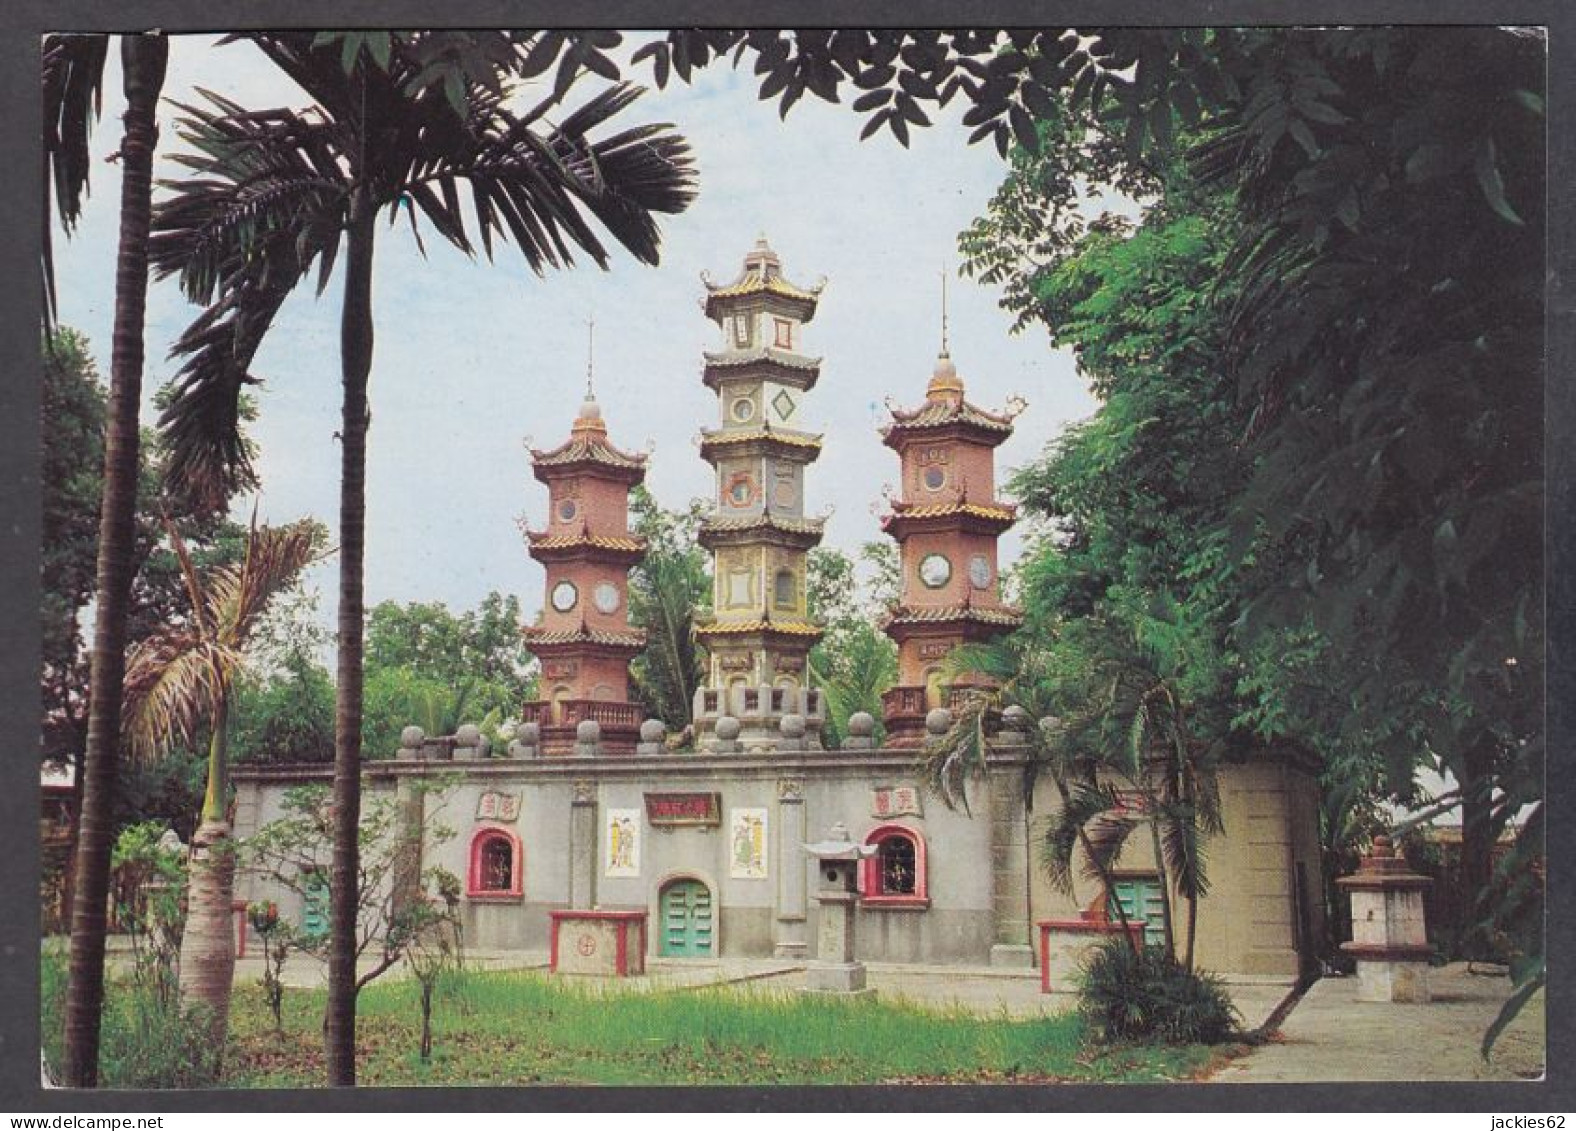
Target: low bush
[
  {"x": 145, "y": 1040},
  {"x": 1146, "y": 996}
]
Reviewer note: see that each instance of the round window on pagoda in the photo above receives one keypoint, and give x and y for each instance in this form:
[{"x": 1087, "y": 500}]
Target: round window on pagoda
[
  {"x": 934, "y": 477},
  {"x": 979, "y": 571},
  {"x": 743, "y": 409},
  {"x": 935, "y": 570},
  {"x": 567, "y": 510},
  {"x": 565, "y": 595},
  {"x": 606, "y": 597},
  {"x": 741, "y": 489}
]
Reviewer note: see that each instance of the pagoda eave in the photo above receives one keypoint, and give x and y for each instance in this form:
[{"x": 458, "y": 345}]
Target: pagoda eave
[
  {"x": 801, "y": 447},
  {"x": 758, "y": 535},
  {"x": 547, "y": 473},
  {"x": 899, "y": 436},
  {"x": 900, "y": 525},
  {"x": 722, "y": 368},
  {"x": 972, "y": 623},
  {"x": 626, "y": 556},
  {"x": 555, "y": 645},
  {"x": 798, "y": 634}
]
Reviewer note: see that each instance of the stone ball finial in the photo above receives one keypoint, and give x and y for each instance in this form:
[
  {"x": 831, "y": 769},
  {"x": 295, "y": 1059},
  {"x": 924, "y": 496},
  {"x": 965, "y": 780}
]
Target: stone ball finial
[
  {"x": 938, "y": 721},
  {"x": 792, "y": 726},
  {"x": 468, "y": 735},
  {"x": 588, "y": 731},
  {"x": 861, "y": 724},
  {"x": 653, "y": 730},
  {"x": 727, "y": 728},
  {"x": 412, "y": 737},
  {"x": 529, "y": 734},
  {"x": 1015, "y": 718}
]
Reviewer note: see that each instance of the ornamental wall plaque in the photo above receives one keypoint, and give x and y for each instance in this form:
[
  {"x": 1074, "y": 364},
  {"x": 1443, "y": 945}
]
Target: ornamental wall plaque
[
  {"x": 790, "y": 789},
  {"x": 896, "y": 801},
  {"x": 495, "y": 805},
  {"x": 677, "y": 810}
]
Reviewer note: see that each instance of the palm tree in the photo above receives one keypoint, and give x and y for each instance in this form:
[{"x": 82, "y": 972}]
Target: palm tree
[
  {"x": 393, "y": 126},
  {"x": 73, "y": 76},
  {"x": 179, "y": 683}
]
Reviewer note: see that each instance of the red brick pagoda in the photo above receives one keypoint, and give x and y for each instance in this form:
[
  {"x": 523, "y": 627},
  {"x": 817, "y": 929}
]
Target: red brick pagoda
[
  {"x": 584, "y": 639},
  {"x": 946, "y": 524}
]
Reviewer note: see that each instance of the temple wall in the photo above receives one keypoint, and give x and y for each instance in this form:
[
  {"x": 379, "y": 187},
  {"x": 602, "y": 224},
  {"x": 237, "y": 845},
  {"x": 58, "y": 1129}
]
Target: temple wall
[{"x": 982, "y": 881}]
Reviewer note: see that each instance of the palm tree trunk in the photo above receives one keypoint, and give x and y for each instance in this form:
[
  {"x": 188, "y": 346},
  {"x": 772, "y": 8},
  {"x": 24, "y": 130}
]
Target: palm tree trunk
[
  {"x": 143, "y": 60},
  {"x": 208, "y": 944},
  {"x": 355, "y": 343}
]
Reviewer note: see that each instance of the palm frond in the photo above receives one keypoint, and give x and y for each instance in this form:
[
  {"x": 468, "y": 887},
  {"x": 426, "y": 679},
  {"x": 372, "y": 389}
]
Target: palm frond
[
  {"x": 73, "y": 79},
  {"x": 237, "y": 594},
  {"x": 1182, "y": 847},
  {"x": 960, "y": 754},
  {"x": 1091, "y": 811},
  {"x": 175, "y": 680},
  {"x": 263, "y": 205}
]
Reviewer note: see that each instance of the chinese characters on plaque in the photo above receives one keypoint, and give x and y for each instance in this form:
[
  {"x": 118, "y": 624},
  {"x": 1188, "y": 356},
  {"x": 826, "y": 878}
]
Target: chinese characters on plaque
[
  {"x": 896, "y": 801},
  {"x": 496, "y": 806}
]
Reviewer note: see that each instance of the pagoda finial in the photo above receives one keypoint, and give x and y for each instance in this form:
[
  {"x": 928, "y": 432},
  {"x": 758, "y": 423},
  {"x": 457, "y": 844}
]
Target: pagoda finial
[
  {"x": 590, "y": 418},
  {"x": 944, "y": 351}
]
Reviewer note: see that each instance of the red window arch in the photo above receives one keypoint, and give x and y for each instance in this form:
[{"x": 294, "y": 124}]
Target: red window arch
[
  {"x": 495, "y": 865},
  {"x": 895, "y": 876}
]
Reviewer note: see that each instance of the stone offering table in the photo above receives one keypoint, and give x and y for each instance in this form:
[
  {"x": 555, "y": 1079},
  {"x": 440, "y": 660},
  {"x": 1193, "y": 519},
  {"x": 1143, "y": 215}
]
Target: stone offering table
[
  {"x": 611, "y": 944},
  {"x": 1066, "y": 943}
]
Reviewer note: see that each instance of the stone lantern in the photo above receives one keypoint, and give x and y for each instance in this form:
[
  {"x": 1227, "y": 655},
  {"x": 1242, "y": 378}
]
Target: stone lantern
[
  {"x": 835, "y": 970},
  {"x": 1389, "y": 934}
]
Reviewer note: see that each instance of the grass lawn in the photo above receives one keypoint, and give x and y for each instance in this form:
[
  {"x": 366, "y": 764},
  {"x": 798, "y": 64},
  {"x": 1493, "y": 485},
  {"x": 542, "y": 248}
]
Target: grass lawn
[{"x": 521, "y": 1027}]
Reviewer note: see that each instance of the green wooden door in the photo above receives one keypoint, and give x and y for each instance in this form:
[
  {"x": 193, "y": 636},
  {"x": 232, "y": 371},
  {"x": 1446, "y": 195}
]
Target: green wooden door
[
  {"x": 314, "y": 905},
  {"x": 686, "y": 919},
  {"x": 1141, "y": 903}
]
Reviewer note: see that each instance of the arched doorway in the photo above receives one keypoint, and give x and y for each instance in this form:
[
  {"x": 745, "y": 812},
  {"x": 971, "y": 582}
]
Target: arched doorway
[
  {"x": 687, "y": 919},
  {"x": 933, "y": 689}
]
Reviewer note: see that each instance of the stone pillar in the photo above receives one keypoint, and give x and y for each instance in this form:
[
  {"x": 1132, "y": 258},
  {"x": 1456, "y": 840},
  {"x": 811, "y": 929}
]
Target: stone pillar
[
  {"x": 588, "y": 739},
  {"x": 582, "y": 846},
  {"x": 527, "y": 741},
  {"x": 410, "y": 802},
  {"x": 653, "y": 735},
  {"x": 1009, "y": 862},
  {"x": 791, "y": 888},
  {"x": 468, "y": 743},
  {"x": 861, "y": 732},
  {"x": 727, "y": 736},
  {"x": 411, "y": 740},
  {"x": 1389, "y": 932}
]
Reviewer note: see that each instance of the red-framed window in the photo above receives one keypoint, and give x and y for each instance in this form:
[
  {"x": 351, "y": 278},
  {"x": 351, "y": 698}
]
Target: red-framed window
[
  {"x": 495, "y": 865},
  {"x": 784, "y": 339},
  {"x": 895, "y": 875}
]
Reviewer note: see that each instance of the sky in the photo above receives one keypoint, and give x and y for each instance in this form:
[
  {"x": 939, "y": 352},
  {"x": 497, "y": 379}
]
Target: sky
[{"x": 475, "y": 360}]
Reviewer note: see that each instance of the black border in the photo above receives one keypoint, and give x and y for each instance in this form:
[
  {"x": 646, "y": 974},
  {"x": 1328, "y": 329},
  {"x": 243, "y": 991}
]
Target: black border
[{"x": 21, "y": 24}]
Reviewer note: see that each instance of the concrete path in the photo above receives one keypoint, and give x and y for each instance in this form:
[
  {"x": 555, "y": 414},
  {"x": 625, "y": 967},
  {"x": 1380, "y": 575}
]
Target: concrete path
[{"x": 1331, "y": 1036}]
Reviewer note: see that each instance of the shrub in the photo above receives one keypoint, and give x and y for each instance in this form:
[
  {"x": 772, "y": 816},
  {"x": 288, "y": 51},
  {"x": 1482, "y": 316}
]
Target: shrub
[
  {"x": 145, "y": 1040},
  {"x": 1147, "y": 996}
]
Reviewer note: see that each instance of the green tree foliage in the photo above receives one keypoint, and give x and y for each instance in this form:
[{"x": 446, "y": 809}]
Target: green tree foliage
[
  {"x": 284, "y": 706},
  {"x": 437, "y": 669},
  {"x": 854, "y": 662},
  {"x": 666, "y": 589},
  {"x": 72, "y": 481}
]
